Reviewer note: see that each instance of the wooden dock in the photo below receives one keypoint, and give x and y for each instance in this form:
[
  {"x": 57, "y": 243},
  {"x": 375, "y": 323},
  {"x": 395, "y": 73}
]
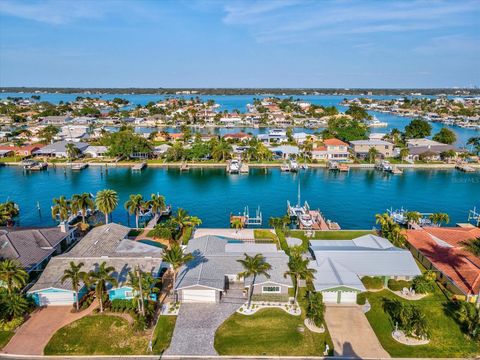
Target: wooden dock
[
  {"x": 464, "y": 167},
  {"x": 319, "y": 222},
  {"x": 79, "y": 166},
  {"x": 139, "y": 167}
]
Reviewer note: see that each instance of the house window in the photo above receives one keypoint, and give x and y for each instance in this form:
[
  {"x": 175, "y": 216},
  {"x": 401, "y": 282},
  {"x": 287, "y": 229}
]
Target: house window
[
  {"x": 128, "y": 294},
  {"x": 271, "y": 289}
]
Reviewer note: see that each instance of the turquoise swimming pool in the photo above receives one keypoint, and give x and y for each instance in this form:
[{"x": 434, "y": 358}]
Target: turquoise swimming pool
[{"x": 152, "y": 243}]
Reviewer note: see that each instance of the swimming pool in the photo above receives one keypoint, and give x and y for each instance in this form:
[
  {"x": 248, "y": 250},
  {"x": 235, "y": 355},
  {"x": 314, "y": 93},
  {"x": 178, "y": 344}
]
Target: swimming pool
[{"x": 152, "y": 243}]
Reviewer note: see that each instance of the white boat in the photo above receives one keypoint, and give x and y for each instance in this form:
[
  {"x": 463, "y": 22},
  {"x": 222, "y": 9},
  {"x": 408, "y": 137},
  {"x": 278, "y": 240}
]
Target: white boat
[
  {"x": 285, "y": 167},
  {"x": 384, "y": 165},
  {"x": 306, "y": 221},
  {"x": 234, "y": 166},
  {"x": 375, "y": 123},
  {"x": 293, "y": 166}
]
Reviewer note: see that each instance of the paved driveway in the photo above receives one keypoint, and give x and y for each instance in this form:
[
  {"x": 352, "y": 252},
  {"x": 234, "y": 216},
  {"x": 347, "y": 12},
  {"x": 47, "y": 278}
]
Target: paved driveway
[
  {"x": 195, "y": 328},
  {"x": 352, "y": 334},
  {"x": 32, "y": 337}
]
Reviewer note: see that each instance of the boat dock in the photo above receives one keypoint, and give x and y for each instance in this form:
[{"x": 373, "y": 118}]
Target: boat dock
[
  {"x": 31, "y": 165},
  {"x": 184, "y": 167},
  {"x": 397, "y": 171},
  {"x": 139, "y": 167},
  {"x": 247, "y": 220},
  {"x": 464, "y": 167},
  {"x": 79, "y": 166},
  {"x": 474, "y": 216},
  {"x": 235, "y": 166},
  {"x": 335, "y": 166}
]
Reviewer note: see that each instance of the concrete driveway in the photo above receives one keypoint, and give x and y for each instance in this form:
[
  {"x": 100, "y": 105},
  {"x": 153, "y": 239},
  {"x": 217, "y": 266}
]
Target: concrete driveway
[
  {"x": 352, "y": 334},
  {"x": 195, "y": 328},
  {"x": 32, "y": 337}
]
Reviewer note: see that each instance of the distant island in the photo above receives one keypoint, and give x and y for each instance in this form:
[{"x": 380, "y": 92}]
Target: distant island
[{"x": 250, "y": 91}]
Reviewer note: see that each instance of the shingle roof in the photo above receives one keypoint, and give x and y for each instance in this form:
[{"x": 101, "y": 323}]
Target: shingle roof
[{"x": 215, "y": 257}]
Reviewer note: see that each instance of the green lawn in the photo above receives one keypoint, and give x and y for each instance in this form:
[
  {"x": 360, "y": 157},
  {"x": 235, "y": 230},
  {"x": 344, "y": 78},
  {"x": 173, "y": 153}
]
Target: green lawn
[
  {"x": 5, "y": 337},
  {"x": 447, "y": 340},
  {"x": 269, "y": 332},
  {"x": 107, "y": 335},
  {"x": 263, "y": 234}
]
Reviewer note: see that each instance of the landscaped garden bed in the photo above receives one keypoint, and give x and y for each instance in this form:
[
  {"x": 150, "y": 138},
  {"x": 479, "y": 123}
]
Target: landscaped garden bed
[{"x": 292, "y": 309}]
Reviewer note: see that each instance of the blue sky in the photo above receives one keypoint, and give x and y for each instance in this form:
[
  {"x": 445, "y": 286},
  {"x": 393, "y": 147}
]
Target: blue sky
[{"x": 281, "y": 43}]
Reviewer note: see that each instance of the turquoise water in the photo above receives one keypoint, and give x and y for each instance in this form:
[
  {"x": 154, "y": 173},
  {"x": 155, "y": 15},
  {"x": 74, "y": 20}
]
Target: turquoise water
[
  {"x": 153, "y": 243},
  {"x": 351, "y": 199}
]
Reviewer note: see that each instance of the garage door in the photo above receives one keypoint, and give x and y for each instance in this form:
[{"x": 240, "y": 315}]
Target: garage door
[
  {"x": 190, "y": 295},
  {"x": 348, "y": 297},
  {"x": 55, "y": 298},
  {"x": 330, "y": 297}
]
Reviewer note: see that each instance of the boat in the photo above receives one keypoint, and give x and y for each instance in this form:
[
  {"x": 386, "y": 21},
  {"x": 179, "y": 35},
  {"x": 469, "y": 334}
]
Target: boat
[
  {"x": 384, "y": 165},
  {"x": 285, "y": 167},
  {"x": 397, "y": 171},
  {"x": 233, "y": 166},
  {"x": 31, "y": 165},
  {"x": 335, "y": 166},
  {"x": 306, "y": 221},
  {"x": 293, "y": 166},
  {"x": 79, "y": 166},
  {"x": 184, "y": 167},
  {"x": 375, "y": 123},
  {"x": 464, "y": 167},
  {"x": 139, "y": 167}
]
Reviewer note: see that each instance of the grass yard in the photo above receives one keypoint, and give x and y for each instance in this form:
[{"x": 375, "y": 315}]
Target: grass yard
[
  {"x": 447, "y": 339},
  {"x": 263, "y": 234},
  {"x": 107, "y": 335},
  {"x": 269, "y": 332},
  {"x": 5, "y": 337},
  {"x": 163, "y": 333}
]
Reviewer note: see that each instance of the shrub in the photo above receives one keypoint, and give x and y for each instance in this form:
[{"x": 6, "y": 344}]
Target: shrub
[
  {"x": 315, "y": 309},
  {"x": 10, "y": 325},
  {"x": 422, "y": 285},
  {"x": 374, "y": 283},
  {"x": 398, "y": 285},
  {"x": 270, "y": 297},
  {"x": 361, "y": 299},
  {"x": 122, "y": 305},
  {"x": 410, "y": 318}
]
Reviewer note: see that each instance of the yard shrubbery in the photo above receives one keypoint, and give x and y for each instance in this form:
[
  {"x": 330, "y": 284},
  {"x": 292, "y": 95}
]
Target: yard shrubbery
[
  {"x": 398, "y": 285},
  {"x": 270, "y": 297},
  {"x": 372, "y": 283},
  {"x": 409, "y": 318},
  {"x": 361, "y": 299}
]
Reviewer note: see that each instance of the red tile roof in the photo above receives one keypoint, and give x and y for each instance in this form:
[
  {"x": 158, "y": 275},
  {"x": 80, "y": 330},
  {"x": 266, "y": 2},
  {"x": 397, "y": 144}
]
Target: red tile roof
[
  {"x": 461, "y": 266},
  {"x": 239, "y": 135},
  {"x": 334, "y": 142},
  {"x": 320, "y": 148}
]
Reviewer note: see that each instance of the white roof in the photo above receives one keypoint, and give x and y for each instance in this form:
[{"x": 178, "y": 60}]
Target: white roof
[{"x": 370, "y": 142}]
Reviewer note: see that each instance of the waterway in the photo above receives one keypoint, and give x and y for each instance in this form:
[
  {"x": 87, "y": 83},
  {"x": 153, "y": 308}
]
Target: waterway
[{"x": 351, "y": 199}]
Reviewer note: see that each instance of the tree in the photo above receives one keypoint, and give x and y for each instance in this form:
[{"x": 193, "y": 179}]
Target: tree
[
  {"x": 299, "y": 270},
  {"x": 472, "y": 246},
  {"x": 135, "y": 205},
  {"x": 106, "y": 201},
  {"x": 183, "y": 220},
  {"x": 156, "y": 203},
  {"x": 445, "y": 136},
  {"x": 100, "y": 278},
  {"x": 61, "y": 208},
  {"x": 347, "y": 129},
  {"x": 176, "y": 258},
  {"x": 222, "y": 151},
  {"x": 475, "y": 142},
  {"x": 72, "y": 151},
  {"x": 236, "y": 223},
  {"x": 315, "y": 309},
  {"x": 141, "y": 289},
  {"x": 410, "y": 318},
  {"x": 404, "y": 153},
  {"x": 8, "y": 211},
  {"x": 279, "y": 222},
  {"x": 125, "y": 143},
  {"x": 469, "y": 315},
  {"x": 13, "y": 275},
  {"x": 82, "y": 202},
  {"x": 417, "y": 129},
  {"x": 13, "y": 305},
  {"x": 48, "y": 133},
  {"x": 390, "y": 229},
  {"x": 357, "y": 112},
  {"x": 438, "y": 218},
  {"x": 372, "y": 154},
  {"x": 75, "y": 275},
  {"x": 253, "y": 266},
  {"x": 413, "y": 217}
]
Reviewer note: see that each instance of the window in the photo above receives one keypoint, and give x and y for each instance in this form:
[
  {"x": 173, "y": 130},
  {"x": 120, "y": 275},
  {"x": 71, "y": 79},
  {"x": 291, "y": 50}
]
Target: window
[
  {"x": 128, "y": 294},
  {"x": 271, "y": 289}
]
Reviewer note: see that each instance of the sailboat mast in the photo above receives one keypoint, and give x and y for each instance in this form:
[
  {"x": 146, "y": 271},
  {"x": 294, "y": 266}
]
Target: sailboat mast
[{"x": 298, "y": 203}]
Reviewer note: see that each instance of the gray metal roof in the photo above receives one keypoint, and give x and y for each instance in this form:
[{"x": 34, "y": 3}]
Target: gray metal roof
[
  {"x": 215, "y": 257},
  {"x": 103, "y": 243},
  {"x": 60, "y": 147}
]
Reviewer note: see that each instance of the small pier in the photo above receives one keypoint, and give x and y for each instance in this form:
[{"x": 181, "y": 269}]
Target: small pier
[
  {"x": 184, "y": 167},
  {"x": 139, "y": 167},
  {"x": 464, "y": 167},
  {"x": 247, "y": 220},
  {"x": 474, "y": 216},
  {"x": 235, "y": 166},
  {"x": 31, "y": 165},
  {"x": 79, "y": 166},
  {"x": 397, "y": 171},
  {"x": 335, "y": 166},
  {"x": 384, "y": 166}
]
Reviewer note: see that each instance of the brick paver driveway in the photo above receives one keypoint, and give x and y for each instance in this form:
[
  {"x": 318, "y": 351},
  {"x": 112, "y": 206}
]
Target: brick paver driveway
[
  {"x": 32, "y": 337},
  {"x": 352, "y": 334},
  {"x": 195, "y": 328}
]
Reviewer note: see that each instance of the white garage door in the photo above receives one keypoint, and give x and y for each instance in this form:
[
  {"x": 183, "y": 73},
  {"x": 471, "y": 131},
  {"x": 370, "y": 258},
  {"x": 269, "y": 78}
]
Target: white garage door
[
  {"x": 348, "y": 297},
  {"x": 55, "y": 298},
  {"x": 330, "y": 297},
  {"x": 190, "y": 295}
]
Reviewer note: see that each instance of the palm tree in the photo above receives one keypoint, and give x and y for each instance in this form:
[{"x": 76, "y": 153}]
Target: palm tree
[
  {"x": 183, "y": 220},
  {"x": 12, "y": 274},
  {"x": 75, "y": 276},
  {"x": 404, "y": 153},
  {"x": 254, "y": 266},
  {"x": 143, "y": 291},
  {"x": 390, "y": 229},
  {"x": 372, "y": 154},
  {"x": 222, "y": 151},
  {"x": 176, "y": 258},
  {"x": 236, "y": 223},
  {"x": 72, "y": 151},
  {"x": 8, "y": 210},
  {"x": 82, "y": 202},
  {"x": 156, "y": 203},
  {"x": 438, "y": 218},
  {"x": 135, "y": 205},
  {"x": 413, "y": 217},
  {"x": 106, "y": 201},
  {"x": 14, "y": 305},
  {"x": 475, "y": 142},
  {"x": 61, "y": 208},
  {"x": 100, "y": 278},
  {"x": 469, "y": 315},
  {"x": 299, "y": 270},
  {"x": 472, "y": 246}
]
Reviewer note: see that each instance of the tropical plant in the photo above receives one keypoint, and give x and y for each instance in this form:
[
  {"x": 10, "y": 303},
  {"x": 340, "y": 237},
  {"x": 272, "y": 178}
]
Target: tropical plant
[
  {"x": 75, "y": 276},
  {"x": 8, "y": 211},
  {"x": 409, "y": 318},
  {"x": 253, "y": 266},
  {"x": 72, "y": 151},
  {"x": 134, "y": 205},
  {"x": 279, "y": 222},
  {"x": 438, "y": 218},
  {"x": 475, "y": 142},
  {"x": 156, "y": 203},
  {"x": 390, "y": 229},
  {"x": 315, "y": 309},
  {"x": 472, "y": 246},
  {"x": 176, "y": 258},
  {"x": 404, "y": 153},
  {"x": 82, "y": 202},
  {"x": 183, "y": 220},
  {"x": 141, "y": 292},
  {"x": 236, "y": 223},
  {"x": 13, "y": 305},
  {"x": 61, "y": 208},
  {"x": 106, "y": 201},
  {"x": 299, "y": 270},
  {"x": 372, "y": 154},
  {"x": 100, "y": 278},
  {"x": 423, "y": 284},
  {"x": 412, "y": 217},
  {"x": 445, "y": 136},
  {"x": 222, "y": 151},
  {"x": 13, "y": 275},
  {"x": 469, "y": 316}
]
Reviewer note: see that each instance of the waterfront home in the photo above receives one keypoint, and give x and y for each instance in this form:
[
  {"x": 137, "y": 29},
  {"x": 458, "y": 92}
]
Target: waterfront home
[
  {"x": 56, "y": 120},
  {"x": 441, "y": 249},
  {"x": 59, "y": 149},
  {"x": 332, "y": 149},
  {"x": 376, "y": 136},
  {"x": 273, "y": 135},
  {"x": 33, "y": 248},
  {"x": 106, "y": 243},
  {"x": 95, "y": 151},
  {"x": 212, "y": 275},
  {"x": 73, "y": 133},
  {"x": 161, "y": 150},
  {"x": 285, "y": 151},
  {"x": 237, "y": 136},
  {"x": 340, "y": 265},
  {"x": 6, "y": 153},
  {"x": 427, "y": 149},
  {"x": 25, "y": 150},
  {"x": 301, "y": 137},
  {"x": 362, "y": 147}
]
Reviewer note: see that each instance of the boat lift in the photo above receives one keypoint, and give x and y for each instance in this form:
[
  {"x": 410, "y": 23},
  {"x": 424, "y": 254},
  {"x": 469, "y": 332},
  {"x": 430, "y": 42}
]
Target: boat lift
[
  {"x": 248, "y": 220},
  {"x": 473, "y": 215}
]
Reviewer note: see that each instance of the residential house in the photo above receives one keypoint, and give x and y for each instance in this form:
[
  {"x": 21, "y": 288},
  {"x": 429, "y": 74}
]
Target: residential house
[
  {"x": 362, "y": 147},
  {"x": 213, "y": 272},
  {"x": 33, "y": 248},
  {"x": 440, "y": 249},
  {"x": 285, "y": 151},
  {"x": 56, "y": 120},
  {"x": 341, "y": 264},
  {"x": 332, "y": 149},
  {"x": 95, "y": 151},
  {"x": 73, "y": 133},
  {"x": 59, "y": 149},
  {"x": 237, "y": 136},
  {"x": 106, "y": 243},
  {"x": 161, "y": 149},
  {"x": 429, "y": 149},
  {"x": 25, "y": 150}
]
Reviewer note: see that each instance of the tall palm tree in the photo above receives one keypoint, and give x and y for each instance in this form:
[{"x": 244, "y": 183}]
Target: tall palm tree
[
  {"x": 134, "y": 205},
  {"x": 82, "y": 202},
  {"x": 390, "y": 229},
  {"x": 106, "y": 201},
  {"x": 183, "y": 220},
  {"x": 61, "y": 208},
  {"x": 413, "y": 217},
  {"x": 156, "y": 203},
  {"x": 222, "y": 151},
  {"x": 12, "y": 274},
  {"x": 254, "y": 266},
  {"x": 100, "y": 278},
  {"x": 8, "y": 211},
  {"x": 299, "y": 270},
  {"x": 76, "y": 276},
  {"x": 176, "y": 258},
  {"x": 14, "y": 305},
  {"x": 372, "y": 154},
  {"x": 438, "y": 218},
  {"x": 72, "y": 151},
  {"x": 143, "y": 291}
]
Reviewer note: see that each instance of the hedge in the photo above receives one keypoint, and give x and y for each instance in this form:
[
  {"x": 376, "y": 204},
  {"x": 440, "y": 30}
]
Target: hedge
[
  {"x": 398, "y": 285},
  {"x": 375, "y": 283},
  {"x": 270, "y": 297},
  {"x": 361, "y": 299}
]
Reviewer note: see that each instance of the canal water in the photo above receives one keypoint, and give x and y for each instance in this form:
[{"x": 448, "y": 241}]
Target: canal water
[{"x": 350, "y": 199}]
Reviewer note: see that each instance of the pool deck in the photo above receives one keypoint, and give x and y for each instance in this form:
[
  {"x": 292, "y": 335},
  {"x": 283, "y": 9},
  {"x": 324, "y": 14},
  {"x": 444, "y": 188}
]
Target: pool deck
[{"x": 243, "y": 234}]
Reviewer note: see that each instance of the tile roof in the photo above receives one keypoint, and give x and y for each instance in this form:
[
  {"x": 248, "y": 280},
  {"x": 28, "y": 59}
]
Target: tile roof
[{"x": 334, "y": 142}]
